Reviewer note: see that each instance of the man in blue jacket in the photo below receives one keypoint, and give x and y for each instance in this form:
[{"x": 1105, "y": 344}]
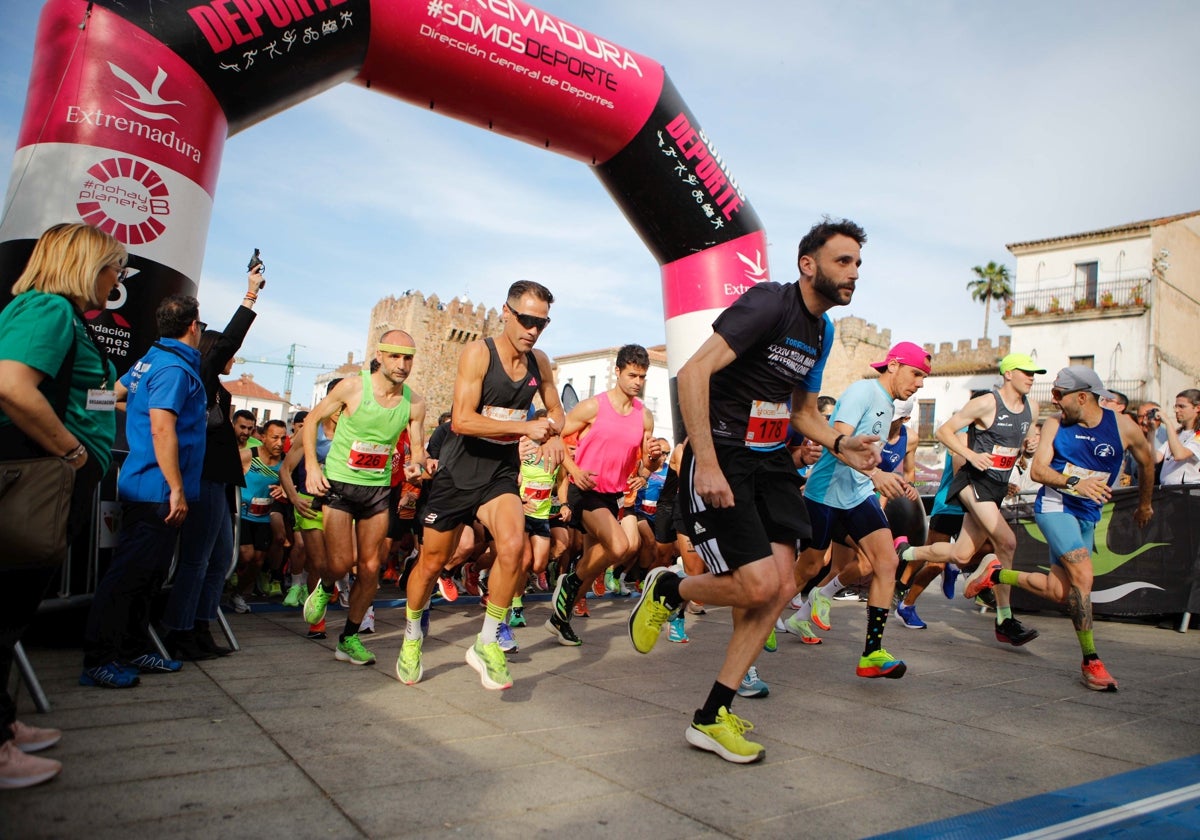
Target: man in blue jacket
[{"x": 165, "y": 426}]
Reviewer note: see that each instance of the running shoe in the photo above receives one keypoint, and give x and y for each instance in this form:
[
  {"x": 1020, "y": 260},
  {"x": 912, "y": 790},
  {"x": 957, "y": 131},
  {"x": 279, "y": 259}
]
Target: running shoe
[
  {"x": 562, "y": 631},
  {"x": 489, "y": 662},
  {"x": 1013, "y": 632},
  {"x": 626, "y": 590},
  {"x": 238, "y": 603},
  {"x": 676, "y": 632},
  {"x": 610, "y": 582},
  {"x": 542, "y": 584},
  {"x": 470, "y": 576},
  {"x": 850, "y": 593},
  {"x": 367, "y": 627},
  {"x": 316, "y": 631},
  {"x": 316, "y": 604},
  {"x": 517, "y": 619},
  {"x": 19, "y": 770},
  {"x": 726, "y": 737},
  {"x": 446, "y": 587},
  {"x": 803, "y": 630},
  {"x": 696, "y": 608},
  {"x": 649, "y": 614},
  {"x": 797, "y": 602},
  {"x": 274, "y": 589},
  {"x": 581, "y": 608},
  {"x": 981, "y": 578},
  {"x": 350, "y": 649},
  {"x": 408, "y": 664},
  {"x": 820, "y": 609},
  {"x": 949, "y": 578},
  {"x": 600, "y": 584},
  {"x": 1096, "y": 676},
  {"x": 752, "y": 685},
  {"x": 504, "y": 638},
  {"x": 910, "y": 618},
  {"x": 880, "y": 663},
  {"x": 772, "y": 643},
  {"x": 294, "y": 597},
  {"x": 152, "y": 663},
  {"x": 901, "y": 545},
  {"x": 563, "y": 597},
  {"x": 109, "y": 675},
  {"x": 343, "y": 593}
]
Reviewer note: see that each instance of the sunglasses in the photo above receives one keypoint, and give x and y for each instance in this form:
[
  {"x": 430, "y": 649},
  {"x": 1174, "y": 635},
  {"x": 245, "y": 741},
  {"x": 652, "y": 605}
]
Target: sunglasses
[
  {"x": 531, "y": 322},
  {"x": 203, "y": 326},
  {"x": 1058, "y": 393}
]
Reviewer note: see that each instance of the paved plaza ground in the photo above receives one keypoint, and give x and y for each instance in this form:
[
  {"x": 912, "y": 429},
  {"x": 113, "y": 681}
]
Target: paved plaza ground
[{"x": 281, "y": 740}]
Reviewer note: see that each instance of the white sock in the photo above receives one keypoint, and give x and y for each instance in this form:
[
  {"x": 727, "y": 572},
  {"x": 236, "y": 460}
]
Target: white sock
[
  {"x": 299, "y": 578},
  {"x": 412, "y": 628},
  {"x": 833, "y": 587}
]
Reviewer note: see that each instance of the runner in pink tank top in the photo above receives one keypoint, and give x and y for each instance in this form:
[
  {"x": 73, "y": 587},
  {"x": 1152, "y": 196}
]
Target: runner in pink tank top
[{"x": 614, "y": 427}]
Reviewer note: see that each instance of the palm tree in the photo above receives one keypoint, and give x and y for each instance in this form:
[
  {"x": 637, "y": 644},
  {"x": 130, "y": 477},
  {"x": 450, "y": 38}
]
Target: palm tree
[{"x": 992, "y": 282}]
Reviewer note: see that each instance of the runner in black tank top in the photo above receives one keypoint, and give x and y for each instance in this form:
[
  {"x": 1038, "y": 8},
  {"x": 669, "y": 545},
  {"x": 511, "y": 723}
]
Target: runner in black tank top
[{"x": 479, "y": 472}]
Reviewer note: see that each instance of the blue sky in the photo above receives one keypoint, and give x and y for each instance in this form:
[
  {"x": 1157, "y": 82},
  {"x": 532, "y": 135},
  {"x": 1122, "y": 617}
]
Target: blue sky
[{"x": 945, "y": 129}]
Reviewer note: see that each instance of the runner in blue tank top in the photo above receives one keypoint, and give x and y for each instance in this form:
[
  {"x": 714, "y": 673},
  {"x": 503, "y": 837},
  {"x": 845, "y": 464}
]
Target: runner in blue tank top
[{"x": 1077, "y": 464}]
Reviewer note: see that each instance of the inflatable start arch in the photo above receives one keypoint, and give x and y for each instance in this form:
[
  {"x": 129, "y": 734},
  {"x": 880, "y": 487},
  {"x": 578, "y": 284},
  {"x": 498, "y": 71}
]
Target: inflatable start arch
[{"x": 130, "y": 104}]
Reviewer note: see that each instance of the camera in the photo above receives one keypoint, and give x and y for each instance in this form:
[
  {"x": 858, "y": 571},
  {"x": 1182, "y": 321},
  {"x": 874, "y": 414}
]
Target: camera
[
  {"x": 1152, "y": 414},
  {"x": 255, "y": 261}
]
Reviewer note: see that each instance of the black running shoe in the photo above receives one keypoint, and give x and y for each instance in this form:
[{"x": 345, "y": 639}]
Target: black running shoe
[
  {"x": 1014, "y": 632},
  {"x": 562, "y": 631}
]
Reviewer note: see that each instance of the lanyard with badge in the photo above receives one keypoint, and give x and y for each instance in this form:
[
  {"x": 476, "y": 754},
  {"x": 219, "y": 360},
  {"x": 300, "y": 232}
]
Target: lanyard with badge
[{"x": 104, "y": 397}]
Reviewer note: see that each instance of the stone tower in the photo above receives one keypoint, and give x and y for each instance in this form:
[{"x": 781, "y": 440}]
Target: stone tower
[{"x": 440, "y": 330}]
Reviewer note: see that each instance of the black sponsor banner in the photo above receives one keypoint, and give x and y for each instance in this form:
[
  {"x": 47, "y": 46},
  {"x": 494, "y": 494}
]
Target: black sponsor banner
[
  {"x": 676, "y": 186},
  {"x": 1149, "y": 571},
  {"x": 126, "y": 326},
  {"x": 259, "y": 56}
]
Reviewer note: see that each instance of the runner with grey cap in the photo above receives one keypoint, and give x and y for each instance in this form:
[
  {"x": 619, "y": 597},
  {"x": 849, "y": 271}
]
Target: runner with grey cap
[
  {"x": 997, "y": 424},
  {"x": 1077, "y": 465}
]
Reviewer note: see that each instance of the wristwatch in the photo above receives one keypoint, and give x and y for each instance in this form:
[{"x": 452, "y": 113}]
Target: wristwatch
[{"x": 1072, "y": 480}]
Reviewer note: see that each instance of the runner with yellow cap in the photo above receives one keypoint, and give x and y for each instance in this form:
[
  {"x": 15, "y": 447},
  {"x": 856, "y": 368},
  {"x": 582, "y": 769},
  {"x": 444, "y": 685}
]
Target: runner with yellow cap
[{"x": 997, "y": 423}]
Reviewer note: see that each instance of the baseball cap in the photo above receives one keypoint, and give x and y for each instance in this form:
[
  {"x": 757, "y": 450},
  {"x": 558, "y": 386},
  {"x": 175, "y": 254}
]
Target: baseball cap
[
  {"x": 1019, "y": 361},
  {"x": 906, "y": 353},
  {"x": 904, "y": 408},
  {"x": 1080, "y": 378}
]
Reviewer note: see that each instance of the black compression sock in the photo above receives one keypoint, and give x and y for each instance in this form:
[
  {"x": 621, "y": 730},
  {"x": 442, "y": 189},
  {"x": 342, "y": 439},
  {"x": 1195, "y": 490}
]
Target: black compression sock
[
  {"x": 720, "y": 695},
  {"x": 351, "y": 629}
]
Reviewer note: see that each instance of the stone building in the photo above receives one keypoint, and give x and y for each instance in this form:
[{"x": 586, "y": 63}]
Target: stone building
[{"x": 440, "y": 330}]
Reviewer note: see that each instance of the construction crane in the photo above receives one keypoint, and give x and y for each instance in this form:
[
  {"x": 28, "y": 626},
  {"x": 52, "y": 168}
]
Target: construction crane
[{"x": 290, "y": 363}]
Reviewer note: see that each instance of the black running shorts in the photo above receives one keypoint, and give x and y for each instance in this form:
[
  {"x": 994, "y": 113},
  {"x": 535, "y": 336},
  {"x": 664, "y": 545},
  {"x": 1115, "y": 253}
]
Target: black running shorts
[
  {"x": 358, "y": 500},
  {"x": 447, "y": 506},
  {"x": 768, "y": 508}
]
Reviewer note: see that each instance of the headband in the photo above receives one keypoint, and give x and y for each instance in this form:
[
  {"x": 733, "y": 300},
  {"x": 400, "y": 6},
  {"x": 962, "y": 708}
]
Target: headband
[{"x": 398, "y": 348}]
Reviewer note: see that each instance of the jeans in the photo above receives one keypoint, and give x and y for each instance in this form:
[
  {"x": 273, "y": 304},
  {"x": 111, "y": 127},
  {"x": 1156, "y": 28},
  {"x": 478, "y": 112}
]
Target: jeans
[
  {"x": 120, "y": 615},
  {"x": 205, "y": 551}
]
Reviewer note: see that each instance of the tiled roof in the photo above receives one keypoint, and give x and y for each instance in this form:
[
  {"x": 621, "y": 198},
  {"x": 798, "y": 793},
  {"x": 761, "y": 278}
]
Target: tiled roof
[
  {"x": 1131, "y": 227},
  {"x": 245, "y": 387}
]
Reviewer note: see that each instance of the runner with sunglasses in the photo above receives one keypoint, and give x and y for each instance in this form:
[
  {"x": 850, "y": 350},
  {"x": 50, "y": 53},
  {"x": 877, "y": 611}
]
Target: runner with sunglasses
[{"x": 479, "y": 473}]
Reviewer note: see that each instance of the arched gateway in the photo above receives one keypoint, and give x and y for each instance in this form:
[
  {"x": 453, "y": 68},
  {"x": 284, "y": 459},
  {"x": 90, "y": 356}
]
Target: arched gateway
[{"x": 130, "y": 103}]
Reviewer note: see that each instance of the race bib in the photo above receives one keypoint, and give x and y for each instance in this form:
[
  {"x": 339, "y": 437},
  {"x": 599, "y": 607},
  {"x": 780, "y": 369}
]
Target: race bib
[
  {"x": 1004, "y": 457},
  {"x": 369, "y": 457},
  {"x": 649, "y": 508},
  {"x": 506, "y": 415},
  {"x": 536, "y": 491},
  {"x": 1070, "y": 469},
  {"x": 768, "y": 424},
  {"x": 259, "y": 506},
  {"x": 100, "y": 399}
]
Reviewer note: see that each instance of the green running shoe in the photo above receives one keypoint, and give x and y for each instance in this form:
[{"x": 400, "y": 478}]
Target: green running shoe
[
  {"x": 315, "y": 604},
  {"x": 772, "y": 643},
  {"x": 649, "y": 614},
  {"x": 726, "y": 738},
  {"x": 295, "y": 596},
  {"x": 880, "y": 663},
  {"x": 517, "y": 619},
  {"x": 351, "y": 650},
  {"x": 820, "y": 609},
  {"x": 408, "y": 664},
  {"x": 610, "y": 582},
  {"x": 488, "y": 660}
]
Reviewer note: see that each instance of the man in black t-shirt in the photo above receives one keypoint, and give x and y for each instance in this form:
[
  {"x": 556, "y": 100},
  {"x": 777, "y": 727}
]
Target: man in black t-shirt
[{"x": 757, "y": 374}]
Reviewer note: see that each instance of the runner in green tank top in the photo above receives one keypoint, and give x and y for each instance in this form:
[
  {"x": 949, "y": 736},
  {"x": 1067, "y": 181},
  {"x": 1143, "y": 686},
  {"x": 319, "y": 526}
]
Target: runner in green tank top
[{"x": 354, "y": 486}]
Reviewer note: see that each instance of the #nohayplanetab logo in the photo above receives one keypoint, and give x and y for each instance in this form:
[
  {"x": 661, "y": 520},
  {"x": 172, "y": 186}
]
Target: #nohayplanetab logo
[{"x": 126, "y": 198}]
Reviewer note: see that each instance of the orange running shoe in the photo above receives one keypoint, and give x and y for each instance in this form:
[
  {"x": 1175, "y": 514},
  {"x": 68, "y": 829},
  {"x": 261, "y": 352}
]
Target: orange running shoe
[
  {"x": 1096, "y": 676},
  {"x": 598, "y": 588}
]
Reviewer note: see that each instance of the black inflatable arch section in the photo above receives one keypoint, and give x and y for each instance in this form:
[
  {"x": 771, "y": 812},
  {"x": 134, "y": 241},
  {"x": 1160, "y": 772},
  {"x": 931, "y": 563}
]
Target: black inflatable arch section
[{"x": 130, "y": 103}]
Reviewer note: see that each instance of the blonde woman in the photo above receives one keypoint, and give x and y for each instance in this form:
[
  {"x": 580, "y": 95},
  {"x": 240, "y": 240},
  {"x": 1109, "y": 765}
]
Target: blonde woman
[{"x": 73, "y": 268}]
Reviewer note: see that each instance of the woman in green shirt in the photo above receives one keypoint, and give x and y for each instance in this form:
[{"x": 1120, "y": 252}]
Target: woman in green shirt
[{"x": 73, "y": 268}]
